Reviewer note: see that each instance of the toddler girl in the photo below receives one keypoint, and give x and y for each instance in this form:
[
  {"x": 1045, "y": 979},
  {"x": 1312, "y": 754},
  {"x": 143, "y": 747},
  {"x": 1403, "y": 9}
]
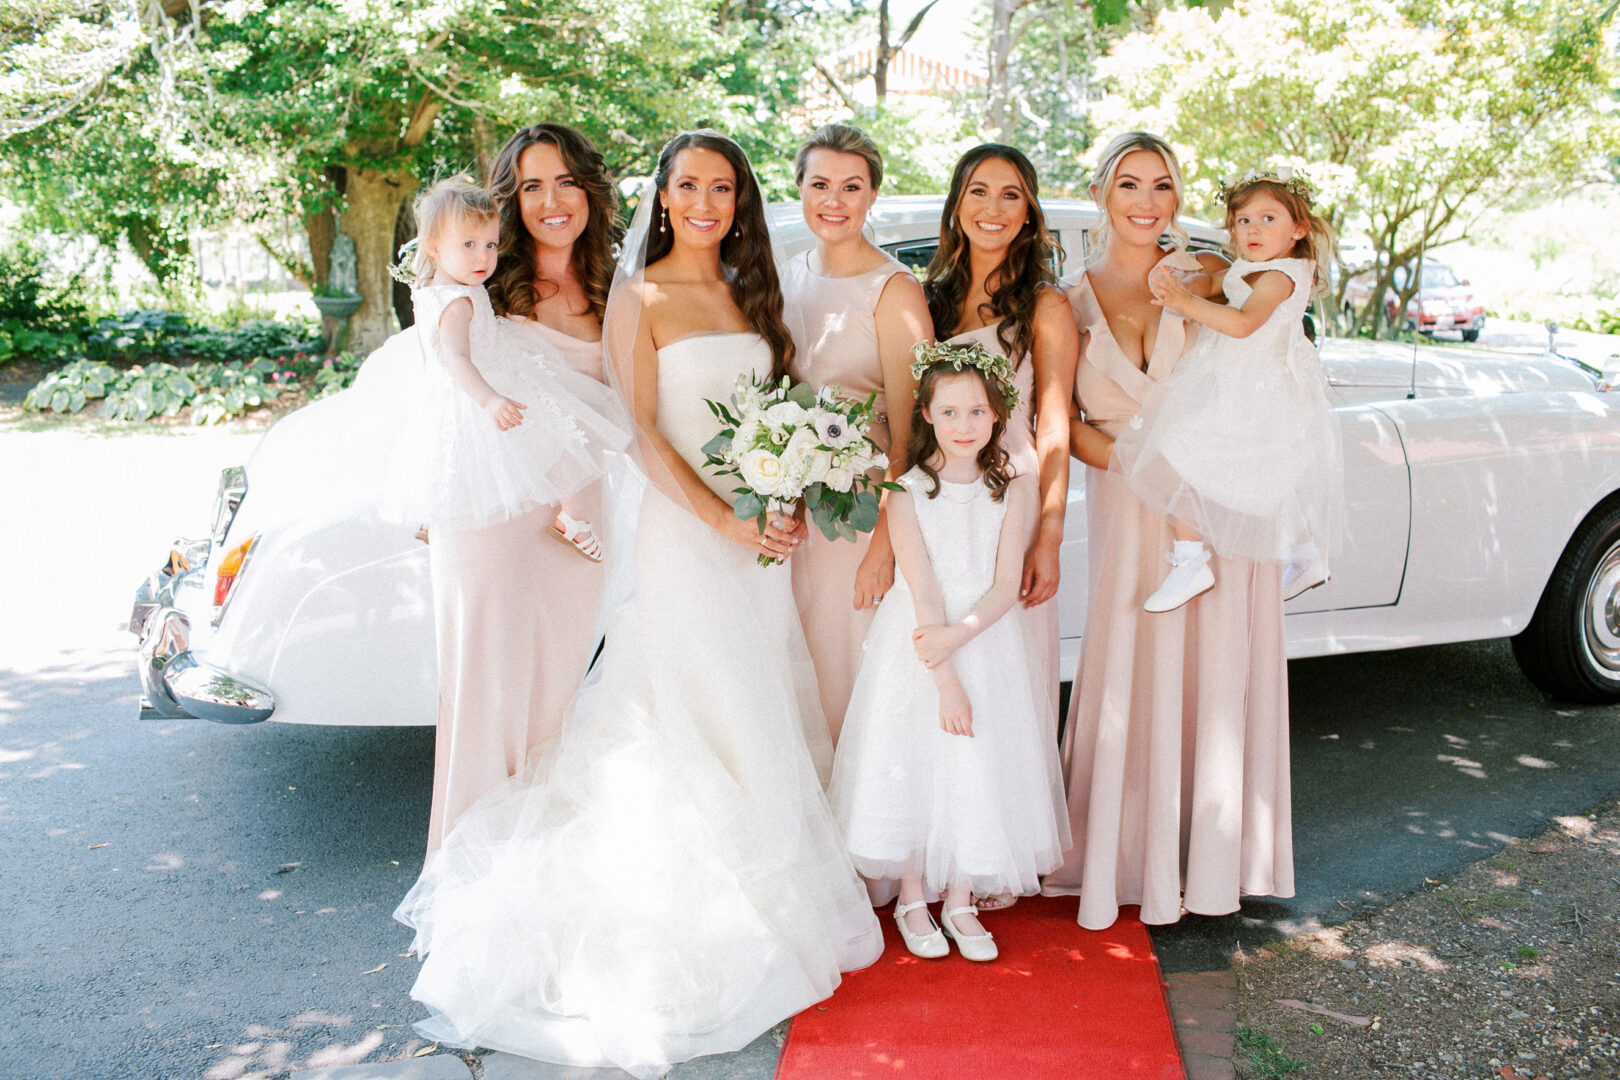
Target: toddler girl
[
  {"x": 467, "y": 455},
  {"x": 946, "y": 779},
  {"x": 1238, "y": 446}
]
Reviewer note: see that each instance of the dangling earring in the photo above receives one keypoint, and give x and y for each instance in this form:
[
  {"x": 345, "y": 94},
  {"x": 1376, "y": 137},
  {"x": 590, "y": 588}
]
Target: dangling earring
[
  {"x": 663, "y": 217},
  {"x": 736, "y": 231}
]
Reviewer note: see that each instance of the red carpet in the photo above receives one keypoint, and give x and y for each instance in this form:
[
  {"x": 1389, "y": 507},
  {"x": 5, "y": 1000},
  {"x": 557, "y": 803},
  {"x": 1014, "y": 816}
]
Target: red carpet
[{"x": 1061, "y": 1003}]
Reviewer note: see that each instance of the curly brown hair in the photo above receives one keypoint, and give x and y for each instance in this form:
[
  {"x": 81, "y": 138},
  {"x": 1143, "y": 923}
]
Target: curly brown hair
[
  {"x": 516, "y": 287},
  {"x": 924, "y": 444},
  {"x": 1015, "y": 285},
  {"x": 745, "y": 251}
]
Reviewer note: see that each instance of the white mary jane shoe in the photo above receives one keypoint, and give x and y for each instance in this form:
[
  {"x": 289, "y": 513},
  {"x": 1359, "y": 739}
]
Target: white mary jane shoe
[
  {"x": 1297, "y": 580},
  {"x": 1189, "y": 575},
  {"x": 978, "y": 947},
  {"x": 929, "y": 946}
]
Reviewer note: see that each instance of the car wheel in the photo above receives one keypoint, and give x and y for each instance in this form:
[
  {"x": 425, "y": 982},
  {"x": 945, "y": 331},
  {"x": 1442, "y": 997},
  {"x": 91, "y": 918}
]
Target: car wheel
[
  {"x": 1470, "y": 335},
  {"x": 1571, "y": 649}
]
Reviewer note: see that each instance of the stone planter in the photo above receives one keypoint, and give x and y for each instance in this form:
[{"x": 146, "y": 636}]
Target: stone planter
[{"x": 335, "y": 312}]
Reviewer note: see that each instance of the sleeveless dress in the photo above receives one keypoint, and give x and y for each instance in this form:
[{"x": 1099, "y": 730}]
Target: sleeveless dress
[
  {"x": 665, "y": 879},
  {"x": 1240, "y": 442},
  {"x": 835, "y": 341},
  {"x": 1176, "y": 748},
  {"x": 911, "y": 798},
  {"x": 515, "y": 619},
  {"x": 1040, "y": 623},
  {"x": 446, "y": 462}
]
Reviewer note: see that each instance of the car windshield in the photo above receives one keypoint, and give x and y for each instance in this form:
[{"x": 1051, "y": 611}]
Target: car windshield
[{"x": 1438, "y": 276}]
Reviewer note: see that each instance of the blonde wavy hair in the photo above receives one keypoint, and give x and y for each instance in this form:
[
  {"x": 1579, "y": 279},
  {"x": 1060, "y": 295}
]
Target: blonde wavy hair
[{"x": 1102, "y": 181}]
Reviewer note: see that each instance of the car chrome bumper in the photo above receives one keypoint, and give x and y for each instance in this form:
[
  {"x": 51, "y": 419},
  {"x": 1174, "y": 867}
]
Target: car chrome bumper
[{"x": 174, "y": 682}]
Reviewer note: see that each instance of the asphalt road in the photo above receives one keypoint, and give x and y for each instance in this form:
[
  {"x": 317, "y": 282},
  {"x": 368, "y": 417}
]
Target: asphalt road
[{"x": 180, "y": 899}]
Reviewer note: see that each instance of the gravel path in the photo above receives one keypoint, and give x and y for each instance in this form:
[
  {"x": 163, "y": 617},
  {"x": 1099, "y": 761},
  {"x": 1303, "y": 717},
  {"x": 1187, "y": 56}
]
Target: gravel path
[{"x": 1509, "y": 970}]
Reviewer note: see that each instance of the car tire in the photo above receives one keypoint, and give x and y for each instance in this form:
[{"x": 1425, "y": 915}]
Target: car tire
[
  {"x": 1470, "y": 335},
  {"x": 1571, "y": 648}
]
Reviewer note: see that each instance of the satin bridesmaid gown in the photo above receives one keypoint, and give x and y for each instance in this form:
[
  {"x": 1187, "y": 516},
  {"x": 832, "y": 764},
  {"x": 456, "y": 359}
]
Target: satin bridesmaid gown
[
  {"x": 835, "y": 341},
  {"x": 515, "y": 613},
  {"x": 1176, "y": 747}
]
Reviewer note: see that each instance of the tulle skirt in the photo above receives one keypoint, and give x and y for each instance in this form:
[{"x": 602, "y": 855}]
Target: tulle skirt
[
  {"x": 444, "y": 462},
  {"x": 666, "y": 878},
  {"x": 1242, "y": 445},
  {"x": 987, "y": 811}
]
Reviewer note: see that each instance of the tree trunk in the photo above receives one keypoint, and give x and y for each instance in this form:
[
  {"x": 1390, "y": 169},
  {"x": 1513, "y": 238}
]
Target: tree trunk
[
  {"x": 997, "y": 117},
  {"x": 374, "y": 199},
  {"x": 880, "y": 56}
]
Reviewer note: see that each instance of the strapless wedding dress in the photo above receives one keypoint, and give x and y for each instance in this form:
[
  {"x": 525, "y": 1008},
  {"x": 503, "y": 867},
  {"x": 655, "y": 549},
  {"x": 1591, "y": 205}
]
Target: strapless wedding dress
[{"x": 665, "y": 879}]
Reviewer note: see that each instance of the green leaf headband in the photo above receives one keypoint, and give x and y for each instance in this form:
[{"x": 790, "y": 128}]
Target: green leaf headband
[
  {"x": 1294, "y": 182},
  {"x": 973, "y": 355}
]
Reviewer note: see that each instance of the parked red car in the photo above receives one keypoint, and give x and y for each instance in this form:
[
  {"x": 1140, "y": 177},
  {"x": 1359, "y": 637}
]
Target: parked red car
[{"x": 1443, "y": 302}]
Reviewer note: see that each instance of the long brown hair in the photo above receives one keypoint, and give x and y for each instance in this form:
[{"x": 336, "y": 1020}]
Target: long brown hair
[
  {"x": 745, "y": 250},
  {"x": 924, "y": 444},
  {"x": 516, "y": 288},
  {"x": 1015, "y": 285}
]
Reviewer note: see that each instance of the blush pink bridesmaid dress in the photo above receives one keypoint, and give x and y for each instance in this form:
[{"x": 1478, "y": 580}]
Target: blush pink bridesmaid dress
[
  {"x": 835, "y": 341},
  {"x": 1176, "y": 747},
  {"x": 515, "y": 616}
]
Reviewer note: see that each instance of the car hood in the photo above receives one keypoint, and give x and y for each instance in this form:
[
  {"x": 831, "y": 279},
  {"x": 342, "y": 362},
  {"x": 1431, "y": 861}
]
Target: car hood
[{"x": 1356, "y": 364}]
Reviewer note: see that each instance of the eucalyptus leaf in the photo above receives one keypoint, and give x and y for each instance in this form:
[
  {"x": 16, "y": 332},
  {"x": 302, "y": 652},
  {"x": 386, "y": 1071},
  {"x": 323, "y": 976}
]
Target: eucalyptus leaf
[
  {"x": 749, "y": 506},
  {"x": 802, "y": 395}
]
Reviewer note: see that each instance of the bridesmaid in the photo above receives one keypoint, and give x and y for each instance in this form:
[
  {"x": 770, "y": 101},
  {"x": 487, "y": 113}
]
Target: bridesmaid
[
  {"x": 1176, "y": 749},
  {"x": 516, "y": 613},
  {"x": 855, "y": 312}
]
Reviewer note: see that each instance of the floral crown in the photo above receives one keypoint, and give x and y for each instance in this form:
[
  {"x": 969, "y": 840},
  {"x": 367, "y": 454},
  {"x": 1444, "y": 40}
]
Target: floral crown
[
  {"x": 1291, "y": 180},
  {"x": 994, "y": 365}
]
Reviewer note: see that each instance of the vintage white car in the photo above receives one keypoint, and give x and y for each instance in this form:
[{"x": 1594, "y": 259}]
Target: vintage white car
[{"x": 1483, "y": 492}]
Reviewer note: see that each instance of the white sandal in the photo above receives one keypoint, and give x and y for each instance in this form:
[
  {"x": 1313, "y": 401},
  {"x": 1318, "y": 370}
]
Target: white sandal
[
  {"x": 929, "y": 946},
  {"x": 980, "y": 947},
  {"x": 578, "y": 535}
]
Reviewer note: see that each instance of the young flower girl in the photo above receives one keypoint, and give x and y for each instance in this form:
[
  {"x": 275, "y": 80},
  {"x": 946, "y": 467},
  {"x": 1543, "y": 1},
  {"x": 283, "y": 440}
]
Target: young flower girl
[
  {"x": 1238, "y": 446},
  {"x": 946, "y": 779},
  {"x": 463, "y": 453}
]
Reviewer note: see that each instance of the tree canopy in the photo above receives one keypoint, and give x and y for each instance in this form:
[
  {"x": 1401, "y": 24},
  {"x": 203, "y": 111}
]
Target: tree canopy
[{"x": 1413, "y": 117}]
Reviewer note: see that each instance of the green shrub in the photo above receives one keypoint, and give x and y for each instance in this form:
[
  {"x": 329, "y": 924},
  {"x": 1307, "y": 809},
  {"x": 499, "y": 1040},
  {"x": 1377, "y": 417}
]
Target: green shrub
[
  {"x": 27, "y": 301},
  {"x": 1604, "y": 321},
  {"x": 214, "y": 390}
]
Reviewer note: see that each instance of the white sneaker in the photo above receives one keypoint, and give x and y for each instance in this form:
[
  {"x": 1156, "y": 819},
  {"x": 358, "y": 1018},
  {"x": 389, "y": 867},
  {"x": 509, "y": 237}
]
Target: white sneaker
[{"x": 1189, "y": 575}]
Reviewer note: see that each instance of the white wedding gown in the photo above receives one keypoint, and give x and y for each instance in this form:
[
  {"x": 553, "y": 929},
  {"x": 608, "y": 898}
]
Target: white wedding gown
[{"x": 665, "y": 879}]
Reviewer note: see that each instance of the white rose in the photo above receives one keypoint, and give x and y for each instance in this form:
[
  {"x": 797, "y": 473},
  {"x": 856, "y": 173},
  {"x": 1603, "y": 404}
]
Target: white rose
[
  {"x": 785, "y": 414},
  {"x": 820, "y": 462},
  {"x": 834, "y": 429},
  {"x": 839, "y": 478},
  {"x": 747, "y": 435},
  {"x": 762, "y": 471}
]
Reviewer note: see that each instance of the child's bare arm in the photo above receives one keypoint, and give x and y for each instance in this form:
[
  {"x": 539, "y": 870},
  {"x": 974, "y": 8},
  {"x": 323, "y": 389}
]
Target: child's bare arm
[
  {"x": 936, "y": 643},
  {"x": 1272, "y": 289},
  {"x": 455, "y": 347},
  {"x": 911, "y": 557},
  {"x": 955, "y": 710}
]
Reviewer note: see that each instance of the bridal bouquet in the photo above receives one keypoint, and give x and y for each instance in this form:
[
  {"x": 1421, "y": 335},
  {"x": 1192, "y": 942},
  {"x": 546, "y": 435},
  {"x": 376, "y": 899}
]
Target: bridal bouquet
[{"x": 785, "y": 442}]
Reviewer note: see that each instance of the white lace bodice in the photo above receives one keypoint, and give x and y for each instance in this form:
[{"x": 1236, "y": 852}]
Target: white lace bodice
[{"x": 702, "y": 367}]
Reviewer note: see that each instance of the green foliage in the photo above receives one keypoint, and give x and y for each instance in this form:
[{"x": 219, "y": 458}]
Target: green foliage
[
  {"x": 1603, "y": 321},
  {"x": 1265, "y": 1054},
  {"x": 1412, "y": 117},
  {"x": 213, "y": 390}
]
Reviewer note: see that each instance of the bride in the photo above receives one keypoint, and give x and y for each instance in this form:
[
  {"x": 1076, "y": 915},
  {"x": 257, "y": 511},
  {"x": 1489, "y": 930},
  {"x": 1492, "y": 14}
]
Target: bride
[{"x": 665, "y": 879}]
